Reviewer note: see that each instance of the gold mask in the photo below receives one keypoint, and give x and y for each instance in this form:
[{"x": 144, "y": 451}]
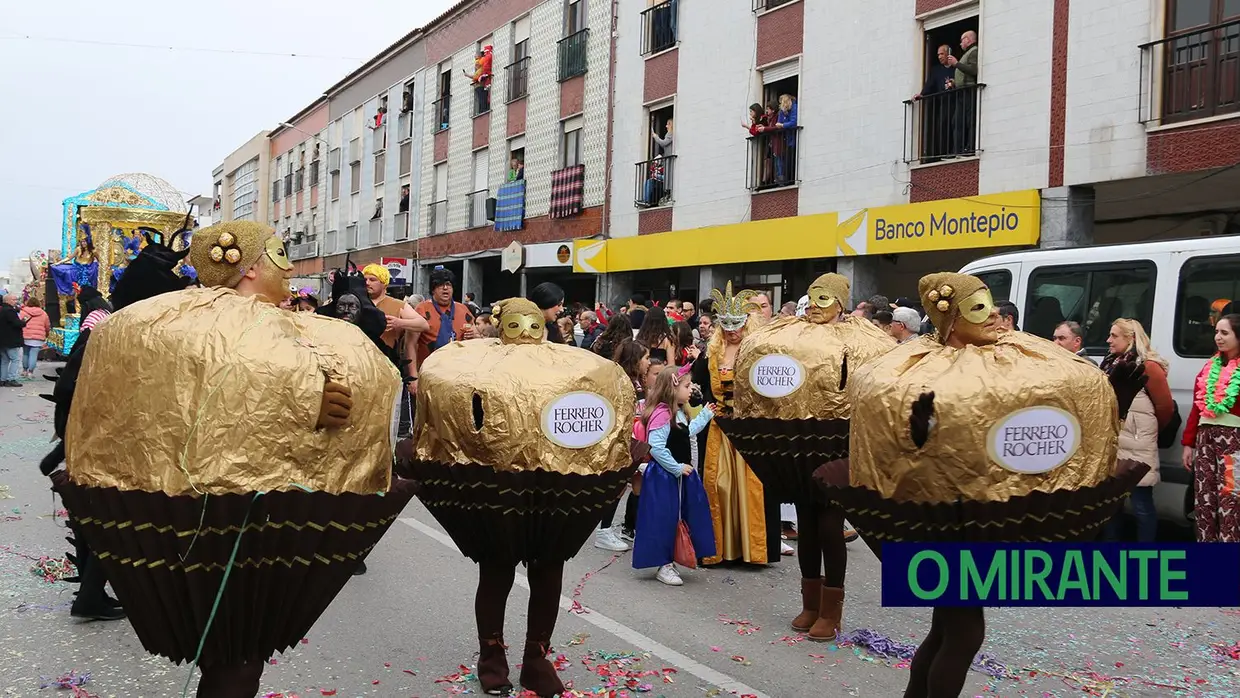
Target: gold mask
[
  {"x": 275, "y": 252},
  {"x": 977, "y": 307},
  {"x": 826, "y": 295},
  {"x": 521, "y": 329}
]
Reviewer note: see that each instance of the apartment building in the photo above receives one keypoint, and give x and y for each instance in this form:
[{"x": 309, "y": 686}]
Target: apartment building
[
  {"x": 297, "y": 151},
  {"x": 889, "y": 163},
  {"x": 240, "y": 183}
]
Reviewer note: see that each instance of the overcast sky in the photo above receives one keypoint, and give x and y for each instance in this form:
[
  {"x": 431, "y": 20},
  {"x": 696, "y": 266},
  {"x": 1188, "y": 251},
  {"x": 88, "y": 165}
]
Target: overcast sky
[{"x": 75, "y": 110}]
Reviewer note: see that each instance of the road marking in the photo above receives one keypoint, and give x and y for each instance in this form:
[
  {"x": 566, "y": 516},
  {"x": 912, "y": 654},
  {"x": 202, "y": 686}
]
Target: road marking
[{"x": 598, "y": 620}]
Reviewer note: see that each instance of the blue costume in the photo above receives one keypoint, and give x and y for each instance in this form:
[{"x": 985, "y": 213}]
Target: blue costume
[{"x": 665, "y": 492}]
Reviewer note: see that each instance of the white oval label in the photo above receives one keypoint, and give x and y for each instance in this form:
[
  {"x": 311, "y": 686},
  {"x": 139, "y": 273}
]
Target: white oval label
[
  {"x": 578, "y": 420},
  {"x": 776, "y": 375},
  {"x": 1034, "y": 440}
]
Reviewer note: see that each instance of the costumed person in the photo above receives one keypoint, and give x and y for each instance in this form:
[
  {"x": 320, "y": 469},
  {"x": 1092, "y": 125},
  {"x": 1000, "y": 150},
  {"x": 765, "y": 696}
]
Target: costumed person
[
  {"x": 264, "y": 471},
  {"x": 925, "y": 466},
  {"x": 746, "y": 524},
  {"x": 481, "y": 78},
  {"x": 1212, "y": 438},
  {"x": 520, "y": 444},
  {"x": 447, "y": 320},
  {"x": 790, "y": 416},
  {"x": 149, "y": 274},
  {"x": 672, "y": 489}
]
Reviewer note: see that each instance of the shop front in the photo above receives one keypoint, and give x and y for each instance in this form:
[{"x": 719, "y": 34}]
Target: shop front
[{"x": 493, "y": 276}]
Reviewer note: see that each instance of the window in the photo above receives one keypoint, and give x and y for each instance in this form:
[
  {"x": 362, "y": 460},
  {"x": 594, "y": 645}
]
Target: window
[
  {"x": 571, "y": 153},
  {"x": 483, "y": 73},
  {"x": 574, "y": 16},
  {"x": 299, "y": 180},
  {"x": 441, "y": 109},
  {"x": 437, "y": 213},
  {"x": 406, "y": 101},
  {"x": 314, "y": 172},
  {"x": 1000, "y": 284},
  {"x": 380, "y": 168},
  {"x": 774, "y": 153},
  {"x": 764, "y": 5},
  {"x": 355, "y": 178},
  {"x": 335, "y": 186},
  {"x": 572, "y": 48},
  {"x": 516, "y": 159},
  {"x": 275, "y": 190},
  {"x": 655, "y": 176},
  {"x": 659, "y": 27},
  {"x": 1200, "y": 59},
  {"x": 481, "y": 189},
  {"x": 941, "y": 120},
  {"x": 1093, "y": 295},
  {"x": 518, "y": 72},
  {"x": 1208, "y": 287},
  {"x": 355, "y": 208}
]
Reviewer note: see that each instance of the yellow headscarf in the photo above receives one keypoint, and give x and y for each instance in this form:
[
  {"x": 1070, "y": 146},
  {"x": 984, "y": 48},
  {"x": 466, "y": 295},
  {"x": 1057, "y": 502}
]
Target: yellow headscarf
[{"x": 378, "y": 271}]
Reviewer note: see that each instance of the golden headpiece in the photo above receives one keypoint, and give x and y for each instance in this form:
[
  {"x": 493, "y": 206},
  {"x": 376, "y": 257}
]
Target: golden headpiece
[
  {"x": 224, "y": 252},
  {"x": 520, "y": 321},
  {"x": 732, "y": 311},
  {"x": 946, "y": 294},
  {"x": 827, "y": 295}
]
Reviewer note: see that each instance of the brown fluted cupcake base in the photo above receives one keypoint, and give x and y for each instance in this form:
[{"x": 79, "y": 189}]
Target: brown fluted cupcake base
[
  {"x": 533, "y": 516},
  {"x": 1038, "y": 517},
  {"x": 166, "y": 558},
  {"x": 784, "y": 454}
]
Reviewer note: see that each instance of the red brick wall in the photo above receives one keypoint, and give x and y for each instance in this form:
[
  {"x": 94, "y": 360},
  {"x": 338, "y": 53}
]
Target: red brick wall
[
  {"x": 947, "y": 181},
  {"x": 314, "y": 196},
  {"x": 1059, "y": 91},
  {"x": 301, "y": 206},
  {"x": 464, "y": 29},
  {"x": 924, "y": 6},
  {"x": 661, "y": 75},
  {"x": 657, "y": 221},
  {"x": 275, "y": 210},
  {"x": 1200, "y": 147},
  {"x": 482, "y": 130},
  {"x": 404, "y": 250},
  {"x": 775, "y": 204},
  {"x": 781, "y": 33},
  {"x": 516, "y": 117},
  {"x": 306, "y": 267},
  {"x": 541, "y": 229},
  {"x": 442, "y": 140},
  {"x": 572, "y": 96}
]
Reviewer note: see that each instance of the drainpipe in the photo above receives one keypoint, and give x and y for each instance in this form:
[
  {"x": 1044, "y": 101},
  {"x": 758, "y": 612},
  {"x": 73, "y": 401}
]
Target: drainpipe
[{"x": 611, "y": 110}]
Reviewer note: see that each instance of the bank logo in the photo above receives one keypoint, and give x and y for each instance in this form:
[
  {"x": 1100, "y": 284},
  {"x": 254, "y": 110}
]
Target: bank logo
[{"x": 1034, "y": 440}]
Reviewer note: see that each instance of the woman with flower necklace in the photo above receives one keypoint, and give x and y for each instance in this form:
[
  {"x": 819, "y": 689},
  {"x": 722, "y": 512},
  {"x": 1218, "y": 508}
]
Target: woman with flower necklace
[{"x": 1212, "y": 439}]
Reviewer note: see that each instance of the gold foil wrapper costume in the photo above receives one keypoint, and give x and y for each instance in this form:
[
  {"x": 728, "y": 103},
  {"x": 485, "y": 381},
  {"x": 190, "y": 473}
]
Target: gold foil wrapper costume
[
  {"x": 973, "y": 387},
  {"x": 206, "y": 391}
]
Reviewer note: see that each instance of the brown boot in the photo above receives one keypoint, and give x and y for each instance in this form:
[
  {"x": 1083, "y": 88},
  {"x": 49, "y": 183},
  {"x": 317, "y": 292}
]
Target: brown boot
[
  {"x": 538, "y": 674},
  {"x": 830, "y": 612},
  {"x": 811, "y": 593},
  {"x": 493, "y": 667}
]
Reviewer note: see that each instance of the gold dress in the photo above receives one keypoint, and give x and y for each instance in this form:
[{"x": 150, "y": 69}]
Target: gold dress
[{"x": 737, "y": 505}]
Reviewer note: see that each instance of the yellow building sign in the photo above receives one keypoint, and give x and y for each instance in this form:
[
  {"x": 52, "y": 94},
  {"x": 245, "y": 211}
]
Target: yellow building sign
[{"x": 992, "y": 220}]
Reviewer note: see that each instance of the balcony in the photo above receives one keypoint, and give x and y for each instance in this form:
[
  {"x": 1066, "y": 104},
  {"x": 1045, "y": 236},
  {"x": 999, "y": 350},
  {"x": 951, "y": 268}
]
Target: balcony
[
  {"x": 943, "y": 125},
  {"x": 774, "y": 159},
  {"x": 355, "y": 150},
  {"x": 518, "y": 74},
  {"x": 652, "y": 182},
  {"x": 333, "y": 160},
  {"x": 659, "y": 27},
  {"x": 1191, "y": 75},
  {"x": 314, "y": 173},
  {"x": 406, "y": 158},
  {"x": 437, "y": 218},
  {"x": 299, "y": 180},
  {"x": 441, "y": 112},
  {"x": 404, "y": 126},
  {"x": 572, "y": 54},
  {"x": 401, "y": 225},
  {"x": 478, "y": 208},
  {"x": 374, "y": 232},
  {"x": 305, "y": 250},
  {"x": 288, "y": 184},
  {"x": 331, "y": 240},
  {"x": 764, "y": 5},
  {"x": 378, "y": 141},
  {"x": 350, "y": 237}
]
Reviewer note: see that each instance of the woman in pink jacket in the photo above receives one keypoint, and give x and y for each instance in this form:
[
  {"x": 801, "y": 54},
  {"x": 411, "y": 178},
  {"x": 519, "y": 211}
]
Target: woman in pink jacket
[{"x": 34, "y": 335}]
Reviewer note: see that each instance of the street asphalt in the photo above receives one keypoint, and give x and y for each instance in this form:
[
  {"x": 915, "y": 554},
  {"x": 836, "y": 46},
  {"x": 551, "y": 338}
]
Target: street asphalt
[{"x": 406, "y": 628}]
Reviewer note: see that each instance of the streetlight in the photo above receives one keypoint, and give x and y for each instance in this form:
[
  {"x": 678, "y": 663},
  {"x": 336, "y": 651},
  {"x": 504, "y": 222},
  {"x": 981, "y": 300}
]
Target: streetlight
[{"x": 287, "y": 125}]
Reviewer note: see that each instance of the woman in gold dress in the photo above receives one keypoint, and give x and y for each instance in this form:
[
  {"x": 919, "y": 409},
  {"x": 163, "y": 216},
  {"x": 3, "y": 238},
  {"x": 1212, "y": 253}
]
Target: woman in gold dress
[{"x": 746, "y": 524}]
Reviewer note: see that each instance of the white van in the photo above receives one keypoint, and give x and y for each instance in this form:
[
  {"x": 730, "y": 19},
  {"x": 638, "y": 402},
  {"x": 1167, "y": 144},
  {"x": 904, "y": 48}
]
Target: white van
[{"x": 1174, "y": 288}]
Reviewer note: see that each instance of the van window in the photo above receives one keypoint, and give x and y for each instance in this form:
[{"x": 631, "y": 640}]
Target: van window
[
  {"x": 999, "y": 282},
  {"x": 1208, "y": 285},
  {"x": 1094, "y": 295}
]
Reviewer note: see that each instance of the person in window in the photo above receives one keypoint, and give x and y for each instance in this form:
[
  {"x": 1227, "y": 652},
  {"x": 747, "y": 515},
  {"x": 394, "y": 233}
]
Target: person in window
[
  {"x": 936, "y": 115},
  {"x": 966, "y": 101},
  {"x": 1212, "y": 438},
  {"x": 663, "y": 146},
  {"x": 379, "y": 115},
  {"x": 481, "y": 79},
  {"x": 404, "y": 198},
  {"x": 516, "y": 169},
  {"x": 1149, "y": 413},
  {"x": 785, "y": 148},
  {"x": 378, "y": 210},
  {"x": 656, "y": 182}
]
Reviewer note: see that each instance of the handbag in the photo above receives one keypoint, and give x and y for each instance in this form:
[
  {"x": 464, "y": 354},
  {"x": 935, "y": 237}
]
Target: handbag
[{"x": 682, "y": 552}]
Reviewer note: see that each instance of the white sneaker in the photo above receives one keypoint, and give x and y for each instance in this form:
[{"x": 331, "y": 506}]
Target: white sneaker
[
  {"x": 606, "y": 539},
  {"x": 627, "y": 536},
  {"x": 785, "y": 549},
  {"x": 669, "y": 576}
]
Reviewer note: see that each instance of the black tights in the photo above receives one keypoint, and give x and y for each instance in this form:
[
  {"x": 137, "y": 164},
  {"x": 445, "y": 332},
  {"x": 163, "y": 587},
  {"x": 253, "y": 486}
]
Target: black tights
[
  {"x": 230, "y": 681},
  {"x": 630, "y": 513},
  {"x": 942, "y": 662},
  {"x": 820, "y": 543}
]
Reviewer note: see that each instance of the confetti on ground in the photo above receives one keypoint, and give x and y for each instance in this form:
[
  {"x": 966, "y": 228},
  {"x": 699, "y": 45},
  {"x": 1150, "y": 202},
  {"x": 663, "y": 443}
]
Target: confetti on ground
[
  {"x": 1231, "y": 651},
  {"x": 72, "y": 681},
  {"x": 53, "y": 569},
  {"x": 743, "y": 627},
  {"x": 581, "y": 585},
  {"x": 865, "y": 640},
  {"x": 5, "y": 492},
  {"x": 579, "y": 639}
]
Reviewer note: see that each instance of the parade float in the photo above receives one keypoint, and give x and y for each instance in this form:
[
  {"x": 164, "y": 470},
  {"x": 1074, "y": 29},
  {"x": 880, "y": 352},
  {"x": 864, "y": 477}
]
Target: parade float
[{"x": 103, "y": 229}]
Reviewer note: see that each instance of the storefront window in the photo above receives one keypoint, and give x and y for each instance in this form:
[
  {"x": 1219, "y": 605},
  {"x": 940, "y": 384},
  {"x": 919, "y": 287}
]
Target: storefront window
[
  {"x": 1093, "y": 295},
  {"x": 1208, "y": 286}
]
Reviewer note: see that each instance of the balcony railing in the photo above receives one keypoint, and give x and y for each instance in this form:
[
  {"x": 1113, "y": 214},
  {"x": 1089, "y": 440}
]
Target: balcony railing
[
  {"x": 478, "y": 208},
  {"x": 572, "y": 54},
  {"x": 482, "y": 100},
  {"x": 379, "y": 140},
  {"x": 299, "y": 180},
  {"x": 305, "y": 250},
  {"x": 401, "y": 225},
  {"x": 314, "y": 173},
  {"x": 653, "y": 181},
  {"x": 404, "y": 126},
  {"x": 437, "y": 217},
  {"x": 355, "y": 150},
  {"x": 350, "y": 237},
  {"x": 333, "y": 160},
  {"x": 1191, "y": 75},
  {"x": 375, "y": 230},
  {"x": 659, "y": 27},
  {"x": 774, "y": 158},
  {"x": 764, "y": 5},
  {"x": 288, "y": 184},
  {"x": 406, "y": 158},
  {"x": 331, "y": 240},
  {"x": 943, "y": 125},
  {"x": 441, "y": 112},
  {"x": 518, "y": 79}
]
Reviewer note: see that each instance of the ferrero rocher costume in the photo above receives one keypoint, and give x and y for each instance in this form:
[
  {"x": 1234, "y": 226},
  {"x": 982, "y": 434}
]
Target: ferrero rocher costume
[
  {"x": 791, "y": 416},
  {"x": 224, "y": 455},
  {"x": 520, "y": 443},
  {"x": 974, "y": 435}
]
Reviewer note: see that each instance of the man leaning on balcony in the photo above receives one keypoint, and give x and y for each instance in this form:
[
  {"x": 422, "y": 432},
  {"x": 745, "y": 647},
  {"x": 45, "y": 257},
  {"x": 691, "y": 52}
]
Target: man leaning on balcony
[{"x": 966, "y": 77}]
